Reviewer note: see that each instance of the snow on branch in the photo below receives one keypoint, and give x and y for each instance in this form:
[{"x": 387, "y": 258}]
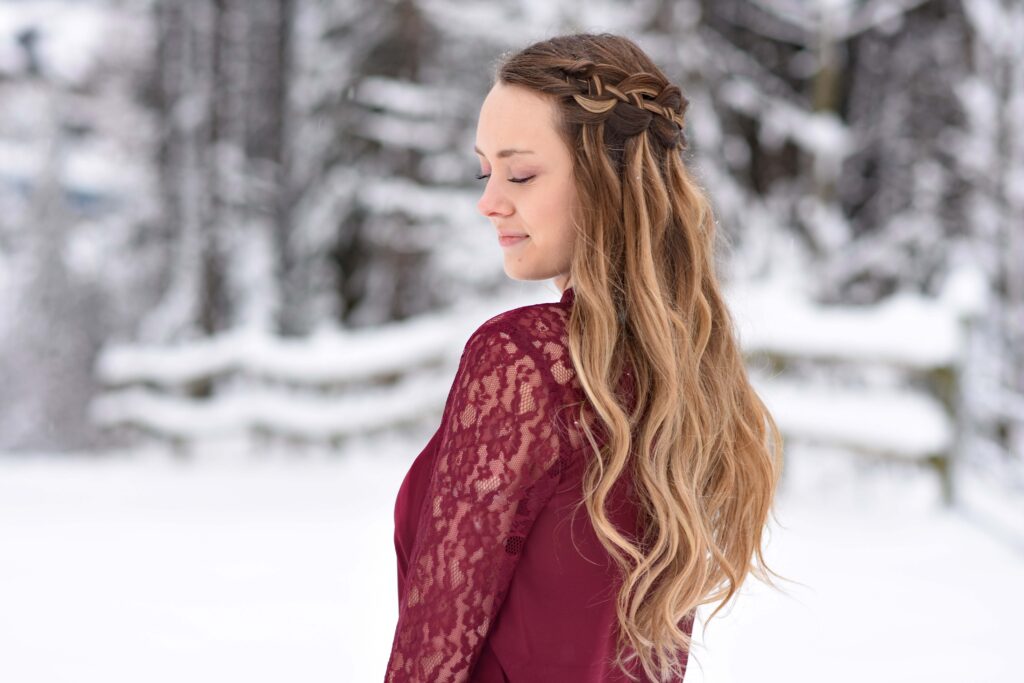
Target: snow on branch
[{"x": 415, "y": 100}]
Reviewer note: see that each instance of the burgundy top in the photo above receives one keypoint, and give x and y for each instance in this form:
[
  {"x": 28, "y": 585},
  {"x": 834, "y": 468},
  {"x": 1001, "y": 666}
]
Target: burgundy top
[{"x": 496, "y": 582}]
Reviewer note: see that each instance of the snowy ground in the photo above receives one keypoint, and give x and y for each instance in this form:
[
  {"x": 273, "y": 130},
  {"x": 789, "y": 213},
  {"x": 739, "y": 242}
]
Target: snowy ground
[{"x": 282, "y": 569}]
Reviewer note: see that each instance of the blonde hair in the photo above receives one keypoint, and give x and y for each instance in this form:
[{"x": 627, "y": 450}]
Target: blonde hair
[{"x": 703, "y": 451}]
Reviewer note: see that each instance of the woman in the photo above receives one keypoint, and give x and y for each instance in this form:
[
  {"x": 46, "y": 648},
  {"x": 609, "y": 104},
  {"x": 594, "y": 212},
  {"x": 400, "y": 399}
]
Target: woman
[{"x": 628, "y": 397}]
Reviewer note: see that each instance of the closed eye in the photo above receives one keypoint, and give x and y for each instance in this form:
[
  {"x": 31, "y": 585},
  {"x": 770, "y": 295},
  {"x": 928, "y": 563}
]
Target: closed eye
[{"x": 511, "y": 180}]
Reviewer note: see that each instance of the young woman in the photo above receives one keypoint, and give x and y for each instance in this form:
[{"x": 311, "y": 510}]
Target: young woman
[{"x": 628, "y": 398}]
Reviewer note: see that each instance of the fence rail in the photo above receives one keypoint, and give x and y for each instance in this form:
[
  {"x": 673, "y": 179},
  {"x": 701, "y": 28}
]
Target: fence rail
[
  {"x": 884, "y": 380},
  {"x": 881, "y": 380}
]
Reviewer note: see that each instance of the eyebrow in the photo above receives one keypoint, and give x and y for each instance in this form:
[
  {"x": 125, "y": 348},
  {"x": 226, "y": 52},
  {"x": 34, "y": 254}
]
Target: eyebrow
[{"x": 505, "y": 152}]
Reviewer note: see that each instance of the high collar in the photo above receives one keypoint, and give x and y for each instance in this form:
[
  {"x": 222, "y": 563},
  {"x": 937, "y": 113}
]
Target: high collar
[{"x": 567, "y": 295}]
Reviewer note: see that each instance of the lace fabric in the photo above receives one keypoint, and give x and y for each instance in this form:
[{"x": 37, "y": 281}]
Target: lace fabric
[{"x": 500, "y": 458}]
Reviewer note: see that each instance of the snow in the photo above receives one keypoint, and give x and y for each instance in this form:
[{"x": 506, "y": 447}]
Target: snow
[
  {"x": 70, "y": 34},
  {"x": 330, "y": 384},
  {"x": 906, "y": 329},
  {"x": 408, "y": 98},
  {"x": 327, "y": 385},
  {"x": 965, "y": 291},
  {"x": 90, "y": 170},
  {"x": 418, "y": 200},
  {"x": 137, "y": 566},
  {"x": 894, "y": 590},
  {"x": 280, "y": 566},
  {"x": 891, "y": 421},
  {"x": 242, "y": 410},
  {"x": 395, "y": 131},
  {"x": 329, "y": 356},
  {"x": 324, "y": 358}
]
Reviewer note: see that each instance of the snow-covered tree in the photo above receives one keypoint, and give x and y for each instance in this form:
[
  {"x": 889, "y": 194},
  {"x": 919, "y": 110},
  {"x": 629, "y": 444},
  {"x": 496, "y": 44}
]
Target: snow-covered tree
[
  {"x": 988, "y": 150},
  {"x": 287, "y": 164},
  {"x": 76, "y": 195}
]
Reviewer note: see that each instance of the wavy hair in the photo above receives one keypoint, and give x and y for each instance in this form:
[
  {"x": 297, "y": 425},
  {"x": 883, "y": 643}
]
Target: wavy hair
[{"x": 704, "y": 453}]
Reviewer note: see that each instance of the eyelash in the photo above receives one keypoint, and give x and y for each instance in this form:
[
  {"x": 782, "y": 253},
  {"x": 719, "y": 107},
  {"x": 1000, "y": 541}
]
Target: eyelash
[{"x": 511, "y": 180}]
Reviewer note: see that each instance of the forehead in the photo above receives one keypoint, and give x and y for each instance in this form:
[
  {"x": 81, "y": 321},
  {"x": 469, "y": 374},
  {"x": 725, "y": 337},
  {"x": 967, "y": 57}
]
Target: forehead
[{"x": 515, "y": 116}]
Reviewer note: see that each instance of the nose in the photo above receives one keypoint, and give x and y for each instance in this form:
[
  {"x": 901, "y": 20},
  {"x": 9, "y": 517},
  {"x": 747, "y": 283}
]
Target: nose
[{"x": 493, "y": 202}]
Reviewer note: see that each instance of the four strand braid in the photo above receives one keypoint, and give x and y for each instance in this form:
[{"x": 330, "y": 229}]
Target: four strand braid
[{"x": 601, "y": 89}]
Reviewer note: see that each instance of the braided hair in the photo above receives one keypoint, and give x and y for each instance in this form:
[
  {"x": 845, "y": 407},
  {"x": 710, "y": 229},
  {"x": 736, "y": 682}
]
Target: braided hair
[
  {"x": 613, "y": 83},
  {"x": 629, "y": 104}
]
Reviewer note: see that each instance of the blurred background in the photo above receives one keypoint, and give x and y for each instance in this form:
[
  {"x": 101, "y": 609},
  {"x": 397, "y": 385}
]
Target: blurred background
[{"x": 240, "y": 255}]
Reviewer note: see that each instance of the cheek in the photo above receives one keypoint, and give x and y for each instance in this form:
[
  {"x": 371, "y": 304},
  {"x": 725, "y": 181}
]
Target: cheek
[
  {"x": 558, "y": 209},
  {"x": 553, "y": 225}
]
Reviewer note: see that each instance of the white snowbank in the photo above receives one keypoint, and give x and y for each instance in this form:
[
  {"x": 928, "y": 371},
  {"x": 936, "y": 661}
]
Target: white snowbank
[{"x": 141, "y": 568}]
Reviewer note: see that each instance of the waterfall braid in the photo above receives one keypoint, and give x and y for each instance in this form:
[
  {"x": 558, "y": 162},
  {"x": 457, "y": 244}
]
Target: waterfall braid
[{"x": 704, "y": 453}]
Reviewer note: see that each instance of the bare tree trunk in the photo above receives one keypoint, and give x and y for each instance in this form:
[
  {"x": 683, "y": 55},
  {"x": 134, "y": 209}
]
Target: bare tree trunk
[
  {"x": 270, "y": 59},
  {"x": 213, "y": 303}
]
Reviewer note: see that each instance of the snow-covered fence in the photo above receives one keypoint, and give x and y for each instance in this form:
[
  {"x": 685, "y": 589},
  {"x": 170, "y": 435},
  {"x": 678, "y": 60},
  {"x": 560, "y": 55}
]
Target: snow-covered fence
[
  {"x": 882, "y": 380},
  {"x": 321, "y": 388},
  {"x": 317, "y": 389}
]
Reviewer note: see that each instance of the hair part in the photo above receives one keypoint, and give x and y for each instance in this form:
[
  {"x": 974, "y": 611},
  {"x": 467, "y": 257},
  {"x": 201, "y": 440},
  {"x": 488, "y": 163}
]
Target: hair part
[{"x": 702, "y": 450}]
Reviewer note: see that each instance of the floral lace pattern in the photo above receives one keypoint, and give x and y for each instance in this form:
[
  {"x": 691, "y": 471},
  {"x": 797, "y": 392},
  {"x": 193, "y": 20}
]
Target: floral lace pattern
[{"x": 501, "y": 456}]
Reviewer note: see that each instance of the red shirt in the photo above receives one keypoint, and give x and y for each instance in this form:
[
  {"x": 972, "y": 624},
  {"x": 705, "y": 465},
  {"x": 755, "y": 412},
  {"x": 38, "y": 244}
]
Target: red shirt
[{"x": 496, "y": 582}]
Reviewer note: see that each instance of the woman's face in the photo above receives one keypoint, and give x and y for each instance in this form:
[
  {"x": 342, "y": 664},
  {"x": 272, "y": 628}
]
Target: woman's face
[{"x": 529, "y": 190}]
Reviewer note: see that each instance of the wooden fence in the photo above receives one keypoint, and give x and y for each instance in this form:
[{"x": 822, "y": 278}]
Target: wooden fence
[{"x": 882, "y": 380}]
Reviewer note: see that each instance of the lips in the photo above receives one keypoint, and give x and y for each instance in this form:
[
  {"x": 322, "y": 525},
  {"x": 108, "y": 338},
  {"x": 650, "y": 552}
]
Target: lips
[{"x": 509, "y": 240}]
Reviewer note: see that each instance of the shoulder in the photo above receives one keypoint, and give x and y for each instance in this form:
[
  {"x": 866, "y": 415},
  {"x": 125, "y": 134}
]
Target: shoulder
[
  {"x": 536, "y": 324},
  {"x": 537, "y": 332}
]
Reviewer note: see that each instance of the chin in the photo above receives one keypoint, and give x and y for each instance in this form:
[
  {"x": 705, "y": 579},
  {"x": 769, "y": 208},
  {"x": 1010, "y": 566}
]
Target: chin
[
  {"x": 526, "y": 275},
  {"x": 516, "y": 271}
]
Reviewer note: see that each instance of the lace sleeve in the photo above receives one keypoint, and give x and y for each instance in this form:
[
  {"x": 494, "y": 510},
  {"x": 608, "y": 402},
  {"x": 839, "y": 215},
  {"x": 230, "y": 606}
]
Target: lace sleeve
[{"x": 497, "y": 465}]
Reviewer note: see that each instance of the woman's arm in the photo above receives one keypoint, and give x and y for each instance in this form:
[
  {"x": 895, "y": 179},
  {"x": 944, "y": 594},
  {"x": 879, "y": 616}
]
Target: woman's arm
[{"x": 497, "y": 465}]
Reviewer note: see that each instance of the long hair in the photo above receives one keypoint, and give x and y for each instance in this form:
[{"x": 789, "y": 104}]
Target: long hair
[{"x": 704, "y": 453}]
